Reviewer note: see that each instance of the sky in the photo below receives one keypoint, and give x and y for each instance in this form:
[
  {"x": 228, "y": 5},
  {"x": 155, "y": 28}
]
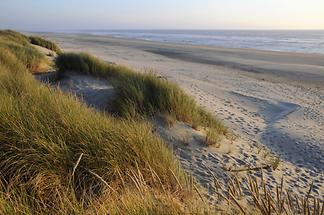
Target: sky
[{"x": 55, "y": 15}]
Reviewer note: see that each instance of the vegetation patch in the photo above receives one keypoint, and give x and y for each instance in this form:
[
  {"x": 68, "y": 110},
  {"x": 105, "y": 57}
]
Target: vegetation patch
[
  {"x": 13, "y": 37},
  {"x": 141, "y": 94},
  {"x": 19, "y": 46},
  {"x": 39, "y": 41},
  {"x": 57, "y": 156},
  {"x": 212, "y": 138}
]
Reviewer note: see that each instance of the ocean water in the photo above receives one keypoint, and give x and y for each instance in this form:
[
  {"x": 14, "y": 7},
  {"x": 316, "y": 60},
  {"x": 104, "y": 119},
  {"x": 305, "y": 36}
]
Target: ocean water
[{"x": 311, "y": 41}]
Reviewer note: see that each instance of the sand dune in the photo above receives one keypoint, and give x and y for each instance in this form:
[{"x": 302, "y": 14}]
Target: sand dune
[{"x": 273, "y": 101}]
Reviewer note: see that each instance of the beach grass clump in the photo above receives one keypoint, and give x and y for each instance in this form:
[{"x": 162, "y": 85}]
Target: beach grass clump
[
  {"x": 147, "y": 94},
  {"x": 212, "y": 138},
  {"x": 263, "y": 200},
  {"x": 13, "y": 37},
  {"x": 81, "y": 63},
  {"x": 30, "y": 57},
  {"x": 39, "y": 41},
  {"x": 57, "y": 156},
  {"x": 19, "y": 46},
  {"x": 141, "y": 94}
]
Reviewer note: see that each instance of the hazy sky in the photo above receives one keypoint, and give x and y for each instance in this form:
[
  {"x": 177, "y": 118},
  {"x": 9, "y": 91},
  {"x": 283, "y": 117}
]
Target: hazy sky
[{"x": 161, "y": 14}]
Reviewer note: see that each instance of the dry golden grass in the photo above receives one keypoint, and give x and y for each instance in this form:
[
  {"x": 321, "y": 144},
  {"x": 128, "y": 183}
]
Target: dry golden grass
[
  {"x": 212, "y": 138},
  {"x": 19, "y": 46},
  {"x": 252, "y": 195},
  {"x": 57, "y": 156}
]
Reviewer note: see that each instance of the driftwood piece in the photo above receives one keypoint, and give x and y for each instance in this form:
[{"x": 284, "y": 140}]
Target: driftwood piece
[{"x": 256, "y": 168}]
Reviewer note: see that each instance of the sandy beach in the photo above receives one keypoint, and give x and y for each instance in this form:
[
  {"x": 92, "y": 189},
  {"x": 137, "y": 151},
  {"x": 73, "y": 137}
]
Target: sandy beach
[{"x": 273, "y": 102}]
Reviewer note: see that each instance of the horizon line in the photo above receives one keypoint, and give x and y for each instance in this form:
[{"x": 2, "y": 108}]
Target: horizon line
[{"x": 172, "y": 29}]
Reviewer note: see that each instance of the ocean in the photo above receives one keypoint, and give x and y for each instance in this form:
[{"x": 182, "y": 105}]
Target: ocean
[{"x": 303, "y": 41}]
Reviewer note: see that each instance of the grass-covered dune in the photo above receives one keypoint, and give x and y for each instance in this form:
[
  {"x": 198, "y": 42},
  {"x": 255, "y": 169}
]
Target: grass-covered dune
[
  {"x": 142, "y": 94},
  {"x": 19, "y": 46},
  {"x": 57, "y": 156}
]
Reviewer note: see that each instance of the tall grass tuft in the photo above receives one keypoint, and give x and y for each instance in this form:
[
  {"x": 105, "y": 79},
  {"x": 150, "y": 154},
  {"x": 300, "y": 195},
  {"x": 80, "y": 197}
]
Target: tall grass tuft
[
  {"x": 82, "y": 63},
  {"x": 252, "y": 195}
]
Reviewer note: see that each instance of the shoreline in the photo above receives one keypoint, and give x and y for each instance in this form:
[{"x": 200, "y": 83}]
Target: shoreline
[
  {"x": 171, "y": 44},
  {"x": 197, "y": 41},
  {"x": 291, "y": 66}
]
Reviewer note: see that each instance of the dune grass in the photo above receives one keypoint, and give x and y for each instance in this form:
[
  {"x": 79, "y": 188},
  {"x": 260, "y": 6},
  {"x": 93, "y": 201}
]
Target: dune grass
[
  {"x": 57, "y": 156},
  {"x": 212, "y": 138},
  {"x": 39, "y": 41},
  {"x": 18, "y": 44},
  {"x": 13, "y": 37},
  {"x": 85, "y": 64},
  {"x": 141, "y": 94}
]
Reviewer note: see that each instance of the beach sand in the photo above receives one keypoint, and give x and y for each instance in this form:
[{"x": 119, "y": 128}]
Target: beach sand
[{"x": 273, "y": 102}]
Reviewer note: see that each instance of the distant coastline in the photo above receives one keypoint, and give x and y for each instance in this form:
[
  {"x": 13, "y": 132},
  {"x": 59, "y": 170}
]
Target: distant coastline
[
  {"x": 299, "y": 68},
  {"x": 298, "y": 41}
]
